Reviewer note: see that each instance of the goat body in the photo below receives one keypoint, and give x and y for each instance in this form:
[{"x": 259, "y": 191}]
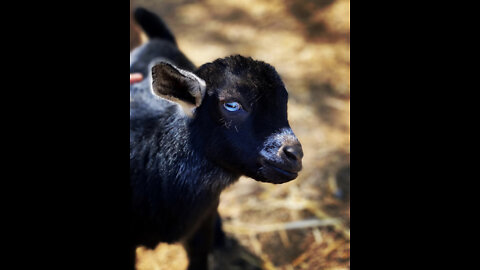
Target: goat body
[{"x": 174, "y": 186}]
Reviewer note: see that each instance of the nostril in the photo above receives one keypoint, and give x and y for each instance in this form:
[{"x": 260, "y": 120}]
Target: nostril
[{"x": 293, "y": 152}]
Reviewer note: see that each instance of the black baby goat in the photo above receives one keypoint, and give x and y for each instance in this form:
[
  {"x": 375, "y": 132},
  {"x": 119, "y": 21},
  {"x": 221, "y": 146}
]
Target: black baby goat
[{"x": 180, "y": 162}]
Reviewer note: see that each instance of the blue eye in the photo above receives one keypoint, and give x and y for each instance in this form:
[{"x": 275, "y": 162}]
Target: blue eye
[{"x": 232, "y": 106}]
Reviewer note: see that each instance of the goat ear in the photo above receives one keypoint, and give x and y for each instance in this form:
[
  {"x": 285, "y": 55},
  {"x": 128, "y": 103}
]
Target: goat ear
[{"x": 169, "y": 81}]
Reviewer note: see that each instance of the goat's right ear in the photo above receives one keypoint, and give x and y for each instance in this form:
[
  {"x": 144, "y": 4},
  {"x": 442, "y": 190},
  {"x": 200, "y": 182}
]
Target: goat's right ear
[{"x": 169, "y": 81}]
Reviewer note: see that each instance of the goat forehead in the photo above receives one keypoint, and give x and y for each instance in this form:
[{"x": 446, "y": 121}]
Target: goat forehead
[{"x": 252, "y": 89}]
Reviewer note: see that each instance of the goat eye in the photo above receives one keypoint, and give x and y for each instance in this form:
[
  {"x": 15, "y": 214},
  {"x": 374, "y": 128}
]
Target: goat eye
[{"x": 232, "y": 106}]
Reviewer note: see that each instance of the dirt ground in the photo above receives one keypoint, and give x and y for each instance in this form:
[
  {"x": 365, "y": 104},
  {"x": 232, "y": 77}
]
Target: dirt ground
[{"x": 303, "y": 224}]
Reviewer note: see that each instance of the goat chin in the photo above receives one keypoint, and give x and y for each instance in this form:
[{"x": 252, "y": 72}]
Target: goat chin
[{"x": 275, "y": 175}]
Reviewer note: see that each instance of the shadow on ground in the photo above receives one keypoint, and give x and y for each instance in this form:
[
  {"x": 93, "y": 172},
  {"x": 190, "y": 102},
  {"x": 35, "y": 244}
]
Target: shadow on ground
[{"x": 235, "y": 257}]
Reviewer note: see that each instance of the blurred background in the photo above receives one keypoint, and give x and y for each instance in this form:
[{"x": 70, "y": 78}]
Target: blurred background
[{"x": 303, "y": 224}]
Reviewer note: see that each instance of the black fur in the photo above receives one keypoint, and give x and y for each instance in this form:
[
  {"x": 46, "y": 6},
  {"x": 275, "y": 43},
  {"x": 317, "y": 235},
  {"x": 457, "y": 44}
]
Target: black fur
[
  {"x": 179, "y": 164},
  {"x": 153, "y": 25}
]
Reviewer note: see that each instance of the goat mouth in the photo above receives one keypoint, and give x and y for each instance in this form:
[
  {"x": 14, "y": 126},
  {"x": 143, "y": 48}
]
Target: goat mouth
[
  {"x": 288, "y": 174},
  {"x": 277, "y": 174}
]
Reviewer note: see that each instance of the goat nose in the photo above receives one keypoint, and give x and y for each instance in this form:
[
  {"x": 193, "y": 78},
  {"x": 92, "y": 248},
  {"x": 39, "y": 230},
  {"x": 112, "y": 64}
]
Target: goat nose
[{"x": 293, "y": 152}]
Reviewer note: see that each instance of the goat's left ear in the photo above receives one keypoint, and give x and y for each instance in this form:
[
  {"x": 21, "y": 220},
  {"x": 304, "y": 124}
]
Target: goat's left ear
[{"x": 170, "y": 81}]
